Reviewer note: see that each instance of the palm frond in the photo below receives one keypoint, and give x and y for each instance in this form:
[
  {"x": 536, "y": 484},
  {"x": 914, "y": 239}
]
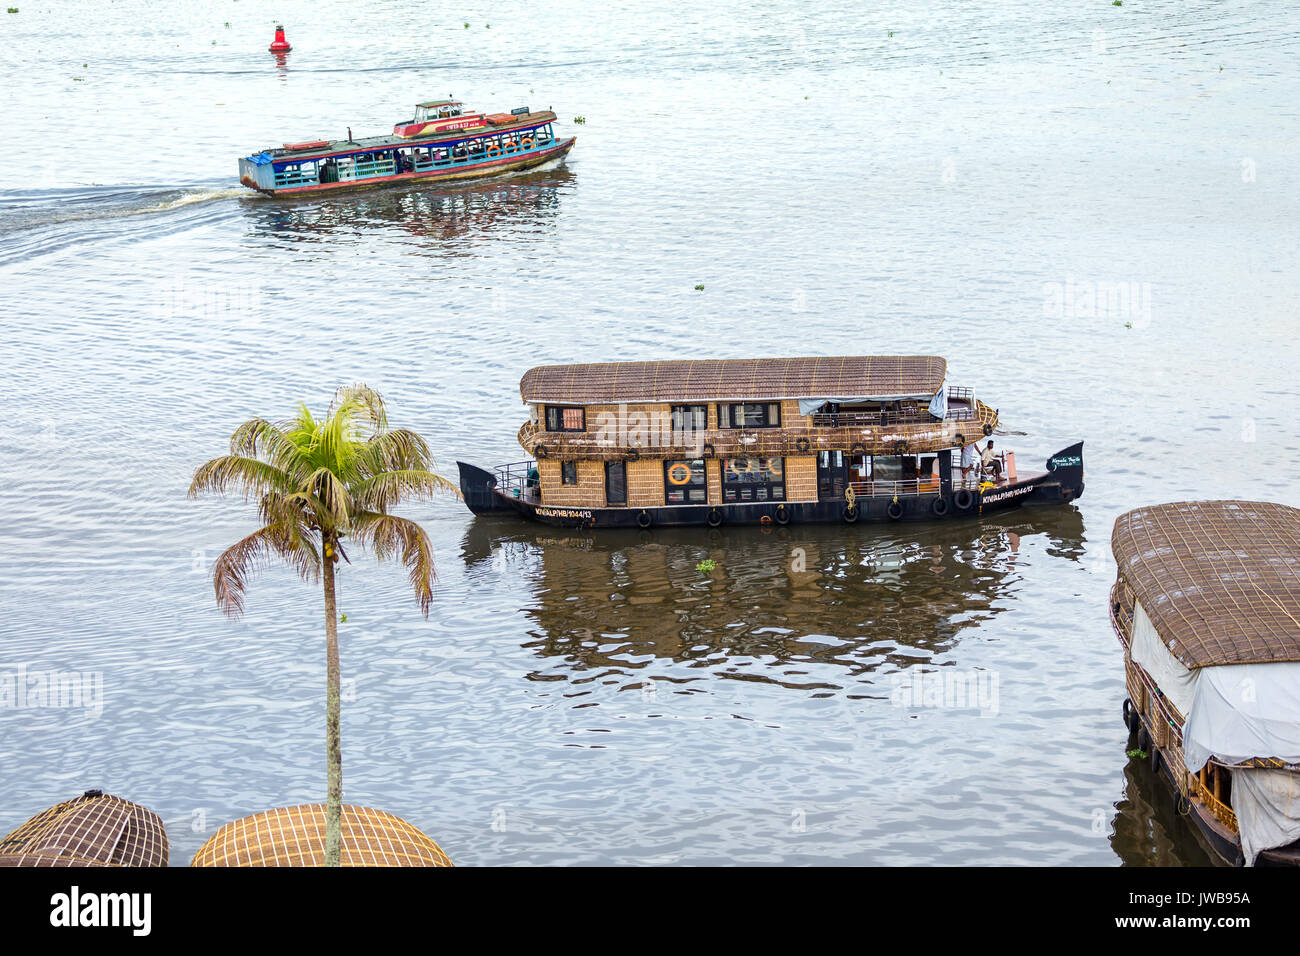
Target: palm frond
[
  {"x": 235, "y": 473},
  {"x": 236, "y": 565},
  {"x": 398, "y": 450},
  {"x": 382, "y": 491},
  {"x": 365, "y": 399},
  {"x": 390, "y": 536}
]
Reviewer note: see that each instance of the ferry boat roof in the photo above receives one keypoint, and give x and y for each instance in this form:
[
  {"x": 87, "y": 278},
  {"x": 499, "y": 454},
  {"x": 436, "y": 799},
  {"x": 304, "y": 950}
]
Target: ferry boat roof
[
  {"x": 841, "y": 377},
  {"x": 319, "y": 149},
  {"x": 1220, "y": 580}
]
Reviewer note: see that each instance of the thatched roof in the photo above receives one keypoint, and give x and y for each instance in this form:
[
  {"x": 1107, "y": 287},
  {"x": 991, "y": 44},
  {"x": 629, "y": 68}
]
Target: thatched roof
[
  {"x": 1220, "y": 580},
  {"x": 95, "y": 829},
  {"x": 882, "y": 376},
  {"x": 295, "y": 836}
]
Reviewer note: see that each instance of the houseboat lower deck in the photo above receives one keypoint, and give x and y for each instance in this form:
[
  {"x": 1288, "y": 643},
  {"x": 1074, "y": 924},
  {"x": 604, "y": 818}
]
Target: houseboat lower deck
[{"x": 516, "y": 488}]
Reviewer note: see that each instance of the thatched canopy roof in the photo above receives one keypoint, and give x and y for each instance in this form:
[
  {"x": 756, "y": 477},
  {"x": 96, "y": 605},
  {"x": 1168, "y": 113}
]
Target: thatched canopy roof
[
  {"x": 708, "y": 380},
  {"x": 295, "y": 836},
  {"x": 95, "y": 829},
  {"x": 1220, "y": 580}
]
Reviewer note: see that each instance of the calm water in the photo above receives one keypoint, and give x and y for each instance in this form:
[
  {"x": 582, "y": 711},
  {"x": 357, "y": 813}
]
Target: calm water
[{"x": 951, "y": 178}]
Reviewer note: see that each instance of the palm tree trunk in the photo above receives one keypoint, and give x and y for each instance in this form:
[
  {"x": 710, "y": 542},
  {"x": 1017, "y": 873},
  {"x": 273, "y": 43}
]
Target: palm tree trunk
[{"x": 333, "y": 743}]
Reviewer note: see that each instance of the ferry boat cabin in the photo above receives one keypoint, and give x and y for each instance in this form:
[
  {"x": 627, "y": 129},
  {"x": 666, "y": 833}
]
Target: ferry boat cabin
[{"x": 440, "y": 142}]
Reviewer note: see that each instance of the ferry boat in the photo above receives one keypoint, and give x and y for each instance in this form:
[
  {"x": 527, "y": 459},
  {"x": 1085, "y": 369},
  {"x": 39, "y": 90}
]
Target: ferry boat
[
  {"x": 1206, "y": 605},
  {"x": 757, "y": 441},
  {"x": 442, "y": 141}
]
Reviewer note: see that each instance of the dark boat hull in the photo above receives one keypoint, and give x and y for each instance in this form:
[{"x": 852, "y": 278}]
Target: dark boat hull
[{"x": 1060, "y": 484}]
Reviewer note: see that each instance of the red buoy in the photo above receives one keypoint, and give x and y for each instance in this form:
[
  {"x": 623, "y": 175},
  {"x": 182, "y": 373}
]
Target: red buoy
[{"x": 279, "y": 44}]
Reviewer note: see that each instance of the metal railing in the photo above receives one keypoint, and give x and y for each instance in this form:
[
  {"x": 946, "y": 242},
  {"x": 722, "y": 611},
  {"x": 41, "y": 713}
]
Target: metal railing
[
  {"x": 961, "y": 408},
  {"x": 513, "y": 480}
]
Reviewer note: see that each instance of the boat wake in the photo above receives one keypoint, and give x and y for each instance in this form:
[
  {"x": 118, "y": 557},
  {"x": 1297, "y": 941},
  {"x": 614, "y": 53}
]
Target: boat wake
[{"x": 40, "y": 222}]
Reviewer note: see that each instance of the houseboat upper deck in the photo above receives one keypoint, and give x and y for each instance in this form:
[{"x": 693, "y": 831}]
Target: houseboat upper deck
[
  {"x": 441, "y": 141},
  {"x": 755, "y": 441},
  {"x": 1206, "y": 605}
]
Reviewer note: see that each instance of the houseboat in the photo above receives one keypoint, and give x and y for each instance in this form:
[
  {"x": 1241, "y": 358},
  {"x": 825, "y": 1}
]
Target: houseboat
[
  {"x": 442, "y": 141},
  {"x": 757, "y": 441},
  {"x": 1206, "y": 605}
]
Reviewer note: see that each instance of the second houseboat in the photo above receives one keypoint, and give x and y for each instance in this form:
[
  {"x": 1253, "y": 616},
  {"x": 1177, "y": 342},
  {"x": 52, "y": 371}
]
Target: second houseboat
[{"x": 758, "y": 441}]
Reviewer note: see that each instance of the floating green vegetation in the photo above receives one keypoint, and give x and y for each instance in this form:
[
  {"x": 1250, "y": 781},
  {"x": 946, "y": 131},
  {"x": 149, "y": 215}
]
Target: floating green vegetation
[
  {"x": 891, "y": 34},
  {"x": 13, "y": 9},
  {"x": 1117, "y": 3},
  {"x": 699, "y": 288},
  {"x": 1138, "y": 754},
  {"x": 467, "y": 26},
  {"x": 706, "y": 566},
  {"x": 1128, "y": 325},
  {"x": 343, "y": 618},
  {"x": 579, "y": 120}
]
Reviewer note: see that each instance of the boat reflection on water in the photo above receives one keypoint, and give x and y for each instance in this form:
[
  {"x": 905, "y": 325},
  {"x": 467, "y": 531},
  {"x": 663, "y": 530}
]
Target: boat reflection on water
[
  {"x": 850, "y": 597},
  {"x": 1147, "y": 830},
  {"x": 525, "y": 204}
]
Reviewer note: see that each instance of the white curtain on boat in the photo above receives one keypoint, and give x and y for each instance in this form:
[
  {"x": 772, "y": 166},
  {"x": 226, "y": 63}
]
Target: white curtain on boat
[
  {"x": 1243, "y": 711},
  {"x": 1235, "y": 712},
  {"x": 1267, "y": 805},
  {"x": 1177, "y": 681},
  {"x": 939, "y": 404}
]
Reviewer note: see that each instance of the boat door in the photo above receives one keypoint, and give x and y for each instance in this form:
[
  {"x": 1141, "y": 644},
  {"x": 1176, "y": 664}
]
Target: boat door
[
  {"x": 832, "y": 475},
  {"x": 615, "y": 483}
]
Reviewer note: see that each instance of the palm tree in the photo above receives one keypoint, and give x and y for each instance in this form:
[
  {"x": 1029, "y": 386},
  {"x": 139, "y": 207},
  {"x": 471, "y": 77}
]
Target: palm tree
[{"x": 320, "y": 483}]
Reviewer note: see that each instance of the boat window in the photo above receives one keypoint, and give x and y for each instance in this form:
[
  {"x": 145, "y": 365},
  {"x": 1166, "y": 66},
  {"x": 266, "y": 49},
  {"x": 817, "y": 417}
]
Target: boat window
[
  {"x": 750, "y": 415},
  {"x": 753, "y": 479},
  {"x": 690, "y": 418},
  {"x": 568, "y": 472},
  {"x": 894, "y": 468},
  {"x": 685, "y": 483},
  {"x": 561, "y": 418}
]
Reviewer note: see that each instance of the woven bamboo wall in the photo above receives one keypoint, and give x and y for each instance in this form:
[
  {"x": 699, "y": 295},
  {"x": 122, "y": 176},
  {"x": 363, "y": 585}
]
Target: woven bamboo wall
[
  {"x": 589, "y": 492},
  {"x": 645, "y": 483},
  {"x": 801, "y": 478}
]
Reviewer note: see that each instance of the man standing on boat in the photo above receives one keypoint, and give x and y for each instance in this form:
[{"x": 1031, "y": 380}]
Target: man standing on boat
[{"x": 967, "y": 460}]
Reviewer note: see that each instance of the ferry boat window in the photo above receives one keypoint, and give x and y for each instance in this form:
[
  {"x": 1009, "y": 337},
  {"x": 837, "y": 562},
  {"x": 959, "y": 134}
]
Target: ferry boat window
[
  {"x": 568, "y": 472},
  {"x": 753, "y": 479},
  {"x": 685, "y": 483},
  {"x": 561, "y": 418},
  {"x": 689, "y": 418},
  {"x": 750, "y": 415}
]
